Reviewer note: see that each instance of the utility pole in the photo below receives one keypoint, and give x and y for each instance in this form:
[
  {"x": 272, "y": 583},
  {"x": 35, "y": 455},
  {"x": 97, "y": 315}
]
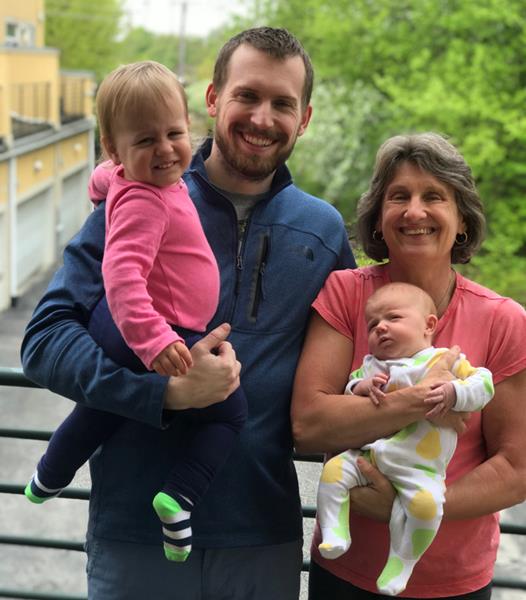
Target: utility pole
[{"x": 182, "y": 42}]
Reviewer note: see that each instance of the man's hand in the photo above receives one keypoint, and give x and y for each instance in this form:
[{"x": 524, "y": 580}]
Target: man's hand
[
  {"x": 376, "y": 499},
  {"x": 213, "y": 376},
  {"x": 174, "y": 360}
]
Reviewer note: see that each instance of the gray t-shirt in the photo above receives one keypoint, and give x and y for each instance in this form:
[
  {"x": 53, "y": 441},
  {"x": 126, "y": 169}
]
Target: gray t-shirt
[{"x": 243, "y": 205}]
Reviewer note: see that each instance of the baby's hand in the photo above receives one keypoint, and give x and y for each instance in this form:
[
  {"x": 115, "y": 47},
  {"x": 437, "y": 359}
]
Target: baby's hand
[
  {"x": 174, "y": 360},
  {"x": 371, "y": 387},
  {"x": 376, "y": 395},
  {"x": 443, "y": 396}
]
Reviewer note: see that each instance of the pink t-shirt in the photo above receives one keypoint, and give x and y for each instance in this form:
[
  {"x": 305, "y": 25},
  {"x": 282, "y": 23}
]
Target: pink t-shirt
[
  {"x": 158, "y": 267},
  {"x": 491, "y": 331}
]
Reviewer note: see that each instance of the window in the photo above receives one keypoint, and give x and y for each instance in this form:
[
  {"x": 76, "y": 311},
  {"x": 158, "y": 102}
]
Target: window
[{"x": 19, "y": 34}]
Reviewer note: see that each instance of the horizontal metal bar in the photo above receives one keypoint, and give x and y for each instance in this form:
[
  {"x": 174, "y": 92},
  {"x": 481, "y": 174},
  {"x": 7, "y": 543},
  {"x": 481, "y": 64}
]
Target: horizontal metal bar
[
  {"x": 71, "y": 493},
  {"x": 79, "y": 547},
  {"x": 16, "y": 540},
  {"x": 308, "y": 457},
  {"x": 15, "y": 377},
  {"x": 498, "y": 582},
  {"x": 30, "y": 595},
  {"x": 309, "y": 512},
  {"x": 513, "y": 529},
  {"x": 504, "y": 582},
  {"x": 26, "y": 434}
]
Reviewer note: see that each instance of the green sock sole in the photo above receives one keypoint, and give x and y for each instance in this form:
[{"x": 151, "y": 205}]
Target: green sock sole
[
  {"x": 176, "y": 555},
  {"x": 31, "y": 497}
]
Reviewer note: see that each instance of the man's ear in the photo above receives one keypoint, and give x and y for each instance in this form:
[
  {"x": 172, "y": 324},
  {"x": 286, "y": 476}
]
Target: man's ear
[
  {"x": 211, "y": 100},
  {"x": 110, "y": 150},
  {"x": 305, "y": 119},
  {"x": 431, "y": 324}
]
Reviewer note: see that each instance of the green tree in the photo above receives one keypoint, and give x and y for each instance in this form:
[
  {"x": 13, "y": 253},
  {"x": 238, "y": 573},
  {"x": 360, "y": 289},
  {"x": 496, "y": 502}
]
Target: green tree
[
  {"x": 85, "y": 31},
  {"x": 141, "y": 44},
  {"x": 393, "y": 66}
]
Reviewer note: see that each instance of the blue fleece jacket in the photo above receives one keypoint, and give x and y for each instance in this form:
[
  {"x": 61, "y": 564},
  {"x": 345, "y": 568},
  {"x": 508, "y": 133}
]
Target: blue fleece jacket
[{"x": 292, "y": 242}]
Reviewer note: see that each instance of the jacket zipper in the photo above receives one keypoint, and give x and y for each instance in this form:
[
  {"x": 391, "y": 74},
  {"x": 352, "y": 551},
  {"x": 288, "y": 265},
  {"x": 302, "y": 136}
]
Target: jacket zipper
[
  {"x": 239, "y": 256},
  {"x": 262, "y": 263}
]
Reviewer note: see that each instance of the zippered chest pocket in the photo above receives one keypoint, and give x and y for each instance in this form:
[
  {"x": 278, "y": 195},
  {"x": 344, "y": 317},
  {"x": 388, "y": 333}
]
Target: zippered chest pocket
[{"x": 283, "y": 272}]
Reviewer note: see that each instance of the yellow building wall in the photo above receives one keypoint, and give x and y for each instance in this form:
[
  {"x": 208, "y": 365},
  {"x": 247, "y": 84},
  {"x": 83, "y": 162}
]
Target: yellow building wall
[
  {"x": 5, "y": 121},
  {"x": 73, "y": 152},
  {"x": 27, "y": 11},
  {"x": 26, "y": 67},
  {"x": 89, "y": 94},
  {"x": 4, "y": 166},
  {"x": 4, "y": 235},
  {"x": 35, "y": 169}
]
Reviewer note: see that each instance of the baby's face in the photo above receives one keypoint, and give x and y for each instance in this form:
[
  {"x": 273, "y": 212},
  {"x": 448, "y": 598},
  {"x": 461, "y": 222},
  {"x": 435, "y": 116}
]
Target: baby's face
[
  {"x": 397, "y": 326},
  {"x": 155, "y": 147}
]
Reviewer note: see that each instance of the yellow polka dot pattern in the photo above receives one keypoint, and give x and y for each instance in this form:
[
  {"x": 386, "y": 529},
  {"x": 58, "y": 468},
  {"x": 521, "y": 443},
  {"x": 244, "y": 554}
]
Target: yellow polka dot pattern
[
  {"x": 423, "y": 506},
  {"x": 429, "y": 446},
  {"x": 333, "y": 470},
  {"x": 464, "y": 369}
]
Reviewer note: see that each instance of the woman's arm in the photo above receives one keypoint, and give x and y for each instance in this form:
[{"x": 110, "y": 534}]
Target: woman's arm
[
  {"x": 497, "y": 483},
  {"x": 325, "y": 420},
  {"x": 500, "y": 481}
]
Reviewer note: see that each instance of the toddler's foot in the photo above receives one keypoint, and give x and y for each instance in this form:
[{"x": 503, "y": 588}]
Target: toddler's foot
[
  {"x": 177, "y": 531},
  {"x": 37, "y": 492}
]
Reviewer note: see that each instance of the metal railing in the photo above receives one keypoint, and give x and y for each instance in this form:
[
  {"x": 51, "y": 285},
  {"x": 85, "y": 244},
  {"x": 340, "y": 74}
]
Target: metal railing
[{"x": 15, "y": 377}]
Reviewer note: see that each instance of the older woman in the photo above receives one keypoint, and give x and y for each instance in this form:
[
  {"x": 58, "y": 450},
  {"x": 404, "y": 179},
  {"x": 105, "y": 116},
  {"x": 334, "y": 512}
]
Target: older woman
[{"x": 422, "y": 213}]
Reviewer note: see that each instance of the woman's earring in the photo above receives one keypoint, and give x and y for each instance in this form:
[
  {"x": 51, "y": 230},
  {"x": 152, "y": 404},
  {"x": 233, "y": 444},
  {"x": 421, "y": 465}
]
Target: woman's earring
[
  {"x": 377, "y": 236},
  {"x": 461, "y": 239}
]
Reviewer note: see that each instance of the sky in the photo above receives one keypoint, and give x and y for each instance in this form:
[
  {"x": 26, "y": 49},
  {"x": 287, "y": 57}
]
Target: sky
[{"x": 165, "y": 16}]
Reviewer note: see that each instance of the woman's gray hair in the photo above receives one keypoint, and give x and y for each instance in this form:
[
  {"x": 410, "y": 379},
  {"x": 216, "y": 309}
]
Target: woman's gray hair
[{"x": 433, "y": 154}]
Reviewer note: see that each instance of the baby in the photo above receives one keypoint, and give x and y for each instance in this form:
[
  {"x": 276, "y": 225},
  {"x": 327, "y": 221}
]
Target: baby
[{"x": 401, "y": 323}]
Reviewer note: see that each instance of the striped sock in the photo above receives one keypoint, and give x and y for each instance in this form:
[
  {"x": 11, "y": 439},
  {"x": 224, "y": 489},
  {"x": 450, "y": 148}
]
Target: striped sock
[
  {"x": 177, "y": 531},
  {"x": 38, "y": 493}
]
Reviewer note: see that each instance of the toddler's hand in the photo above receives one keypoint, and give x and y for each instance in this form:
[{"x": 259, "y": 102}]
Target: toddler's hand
[
  {"x": 174, "y": 360},
  {"x": 443, "y": 396}
]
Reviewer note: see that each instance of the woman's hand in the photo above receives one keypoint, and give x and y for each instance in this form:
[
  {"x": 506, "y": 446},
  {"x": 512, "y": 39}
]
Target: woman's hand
[
  {"x": 440, "y": 372},
  {"x": 212, "y": 378},
  {"x": 455, "y": 420},
  {"x": 374, "y": 500}
]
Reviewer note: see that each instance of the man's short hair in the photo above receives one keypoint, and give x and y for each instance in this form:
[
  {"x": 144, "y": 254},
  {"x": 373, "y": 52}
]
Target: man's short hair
[{"x": 277, "y": 43}]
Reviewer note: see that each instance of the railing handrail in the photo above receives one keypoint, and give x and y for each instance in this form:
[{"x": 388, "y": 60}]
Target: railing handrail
[{"x": 15, "y": 377}]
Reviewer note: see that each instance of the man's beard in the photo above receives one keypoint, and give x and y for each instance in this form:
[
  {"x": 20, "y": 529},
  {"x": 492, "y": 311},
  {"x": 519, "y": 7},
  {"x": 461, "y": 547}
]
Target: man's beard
[{"x": 252, "y": 167}]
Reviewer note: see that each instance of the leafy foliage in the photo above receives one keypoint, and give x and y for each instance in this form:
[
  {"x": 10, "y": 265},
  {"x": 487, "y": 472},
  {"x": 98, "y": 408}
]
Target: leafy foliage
[
  {"x": 85, "y": 31},
  {"x": 382, "y": 67},
  {"x": 393, "y": 66}
]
